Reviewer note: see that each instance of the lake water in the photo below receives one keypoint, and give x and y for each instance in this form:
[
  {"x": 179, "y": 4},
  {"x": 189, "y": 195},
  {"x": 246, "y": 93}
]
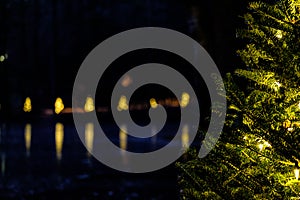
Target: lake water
[{"x": 46, "y": 159}]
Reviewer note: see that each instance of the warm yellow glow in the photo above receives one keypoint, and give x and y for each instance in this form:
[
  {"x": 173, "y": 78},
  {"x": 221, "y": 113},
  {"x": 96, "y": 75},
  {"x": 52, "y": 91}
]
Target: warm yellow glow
[
  {"x": 261, "y": 146},
  {"x": 290, "y": 129},
  {"x": 276, "y": 85},
  {"x": 267, "y": 144},
  {"x": 2, "y": 58},
  {"x": 299, "y": 105},
  {"x": 89, "y": 137},
  {"x": 27, "y": 105},
  {"x": 123, "y": 137},
  {"x": 296, "y": 172},
  {"x": 185, "y": 100},
  {"x": 27, "y": 136},
  {"x": 153, "y": 103},
  {"x": 278, "y": 34},
  {"x": 185, "y": 138},
  {"x": 58, "y": 106},
  {"x": 59, "y": 140},
  {"x": 89, "y": 105},
  {"x": 287, "y": 123},
  {"x": 123, "y": 103}
]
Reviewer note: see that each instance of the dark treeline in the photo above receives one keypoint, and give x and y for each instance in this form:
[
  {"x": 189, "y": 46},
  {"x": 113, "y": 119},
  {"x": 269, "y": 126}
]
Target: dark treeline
[{"x": 46, "y": 41}]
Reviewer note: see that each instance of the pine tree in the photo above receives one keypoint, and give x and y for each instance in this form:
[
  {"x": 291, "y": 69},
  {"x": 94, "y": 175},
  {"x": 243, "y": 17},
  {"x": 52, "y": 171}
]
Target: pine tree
[{"x": 258, "y": 154}]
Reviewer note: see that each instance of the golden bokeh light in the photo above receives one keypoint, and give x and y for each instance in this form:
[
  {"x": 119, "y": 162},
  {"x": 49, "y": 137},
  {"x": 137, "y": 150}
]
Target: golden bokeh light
[
  {"x": 89, "y": 105},
  {"x": 58, "y": 106},
  {"x": 185, "y": 99},
  {"x": 27, "y": 105},
  {"x": 153, "y": 103},
  {"x": 2, "y": 58},
  {"x": 123, "y": 103}
]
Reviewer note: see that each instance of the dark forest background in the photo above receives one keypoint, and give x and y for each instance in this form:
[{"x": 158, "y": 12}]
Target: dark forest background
[{"x": 46, "y": 41}]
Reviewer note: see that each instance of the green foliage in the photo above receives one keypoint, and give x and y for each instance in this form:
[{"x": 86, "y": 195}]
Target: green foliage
[{"x": 259, "y": 148}]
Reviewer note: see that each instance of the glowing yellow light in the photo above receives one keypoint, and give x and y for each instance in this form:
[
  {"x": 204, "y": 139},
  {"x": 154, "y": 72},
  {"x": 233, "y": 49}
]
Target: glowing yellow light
[
  {"x": 278, "y": 34},
  {"x": 153, "y": 103},
  {"x": 185, "y": 99},
  {"x": 299, "y": 105},
  {"x": 89, "y": 137},
  {"x": 267, "y": 144},
  {"x": 2, "y": 58},
  {"x": 185, "y": 138},
  {"x": 276, "y": 85},
  {"x": 89, "y": 105},
  {"x": 287, "y": 123},
  {"x": 261, "y": 147},
  {"x": 59, "y": 106},
  {"x": 123, "y": 138},
  {"x": 27, "y": 105},
  {"x": 27, "y": 136},
  {"x": 59, "y": 140},
  {"x": 296, "y": 172},
  {"x": 123, "y": 103},
  {"x": 290, "y": 129}
]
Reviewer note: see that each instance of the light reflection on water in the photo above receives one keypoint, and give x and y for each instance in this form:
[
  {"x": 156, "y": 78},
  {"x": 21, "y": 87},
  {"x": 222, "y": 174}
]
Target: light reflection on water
[
  {"x": 89, "y": 138},
  {"x": 123, "y": 138},
  {"x": 185, "y": 137},
  {"x": 123, "y": 143},
  {"x": 59, "y": 140},
  {"x": 29, "y": 153},
  {"x": 59, "y": 137},
  {"x": 27, "y": 136}
]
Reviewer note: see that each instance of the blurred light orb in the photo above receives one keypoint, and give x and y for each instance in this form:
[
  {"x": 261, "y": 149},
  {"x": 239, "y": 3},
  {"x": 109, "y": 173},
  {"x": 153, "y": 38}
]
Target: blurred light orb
[
  {"x": 58, "y": 106},
  {"x": 185, "y": 100},
  {"x": 123, "y": 103},
  {"x": 2, "y": 58},
  {"x": 153, "y": 103},
  {"x": 89, "y": 105},
  {"x": 27, "y": 105}
]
